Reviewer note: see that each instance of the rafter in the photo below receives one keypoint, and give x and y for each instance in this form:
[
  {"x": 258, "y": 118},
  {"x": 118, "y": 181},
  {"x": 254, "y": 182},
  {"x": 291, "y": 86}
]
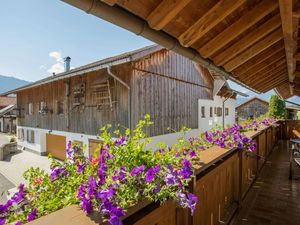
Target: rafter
[
  {"x": 209, "y": 20},
  {"x": 254, "y": 50},
  {"x": 288, "y": 28},
  {"x": 245, "y": 22},
  {"x": 267, "y": 53},
  {"x": 110, "y": 2},
  {"x": 297, "y": 56},
  {"x": 248, "y": 40},
  {"x": 264, "y": 64},
  {"x": 265, "y": 80},
  {"x": 165, "y": 12}
]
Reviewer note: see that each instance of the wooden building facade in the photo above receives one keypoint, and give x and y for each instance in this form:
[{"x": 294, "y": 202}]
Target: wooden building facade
[
  {"x": 118, "y": 91},
  {"x": 252, "y": 108}
]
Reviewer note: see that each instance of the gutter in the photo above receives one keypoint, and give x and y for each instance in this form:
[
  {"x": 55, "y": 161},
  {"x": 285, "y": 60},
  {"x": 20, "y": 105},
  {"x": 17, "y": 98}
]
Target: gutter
[
  {"x": 130, "y": 22},
  {"x": 129, "y": 92}
]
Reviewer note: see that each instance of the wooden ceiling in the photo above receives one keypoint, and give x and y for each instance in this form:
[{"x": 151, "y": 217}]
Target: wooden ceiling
[{"x": 255, "y": 40}]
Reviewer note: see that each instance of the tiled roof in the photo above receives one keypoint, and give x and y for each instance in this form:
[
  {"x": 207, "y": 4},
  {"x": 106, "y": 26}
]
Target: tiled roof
[{"x": 6, "y": 101}]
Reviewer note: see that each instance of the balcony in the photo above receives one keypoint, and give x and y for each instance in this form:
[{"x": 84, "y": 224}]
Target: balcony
[{"x": 232, "y": 187}]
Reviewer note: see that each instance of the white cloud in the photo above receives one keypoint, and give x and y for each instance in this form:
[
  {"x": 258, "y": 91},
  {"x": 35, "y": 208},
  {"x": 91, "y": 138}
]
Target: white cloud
[{"x": 58, "y": 66}]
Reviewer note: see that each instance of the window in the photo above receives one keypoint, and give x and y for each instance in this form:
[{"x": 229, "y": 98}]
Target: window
[
  {"x": 20, "y": 134},
  {"x": 30, "y": 136},
  {"x": 215, "y": 110},
  {"x": 226, "y": 111},
  {"x": 59, "y": 108},
  {"x": 211, "y": 112},
  {"x": 219, "y": 111},
  {"x": 202, "y": 112},
  {"x": 43, "y": 107},
  {"x": 30, "y": 108}
]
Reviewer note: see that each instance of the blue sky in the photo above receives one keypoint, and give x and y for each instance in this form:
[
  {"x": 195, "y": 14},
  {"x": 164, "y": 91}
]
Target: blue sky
[
  {"x": 32, "y": 29},
  {"x": 37, "y": 34}
]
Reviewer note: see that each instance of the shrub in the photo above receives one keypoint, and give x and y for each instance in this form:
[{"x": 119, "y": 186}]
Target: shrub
[{"x": 277, "y": 108}]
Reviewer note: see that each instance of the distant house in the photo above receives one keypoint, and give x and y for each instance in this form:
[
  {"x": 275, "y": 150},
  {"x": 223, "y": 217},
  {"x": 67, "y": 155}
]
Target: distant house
[
  {"x": 8, "y": 119},
  {"x": 221, "y": 109},
  {"x": 6, "y": 101},
  {"x": 252, "y": 108},
  {"x": 292, "y": 111}
]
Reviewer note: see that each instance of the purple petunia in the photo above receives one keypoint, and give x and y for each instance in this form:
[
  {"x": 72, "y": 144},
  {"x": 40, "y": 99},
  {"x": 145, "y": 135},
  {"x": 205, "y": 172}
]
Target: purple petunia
[
  {"x": 190, "y": 200},
  {"x": 192, "y": 153},
  {"x": 81, "y": 167},
  {"x": 32, "y": 215},
  {"x": 137, "y": 170},
  {"x": 91, "y": 186},
  {"x": 87, "y": 205},
  {"x": 18, "y": 223},
  {"x": 120, "y": 141},
  {"x": 186, "y": 171},
  {"x": 2, "y": 220},
  {"x": 151, "y": 173}
]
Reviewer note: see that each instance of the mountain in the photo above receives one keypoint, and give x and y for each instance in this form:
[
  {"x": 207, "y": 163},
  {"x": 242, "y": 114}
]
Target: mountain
[{"x": 10, "y": 83}]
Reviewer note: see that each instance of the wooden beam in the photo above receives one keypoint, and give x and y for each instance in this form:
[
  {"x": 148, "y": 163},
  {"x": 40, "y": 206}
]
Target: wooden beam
[
  {"x": 264, "y": 64},
  {"x": 288, "y": 28},
  {"x": 110, "y": 2},
  {"x": 259, "y": 58},
  {"x": 165, "y": 12},
  {"x": 247, "y": 41},
  {"x": 254, "y": 50},
  {"x": 267, "y": 77},
  {"x": 297, "y": 56},
  {"x": 209, "y": 20},
  {"x": 246, "y": 21},
  {"x": 272, "y": 85},
  {"x": 273, "y": 68},
  {"x": 297, "y": 73}
]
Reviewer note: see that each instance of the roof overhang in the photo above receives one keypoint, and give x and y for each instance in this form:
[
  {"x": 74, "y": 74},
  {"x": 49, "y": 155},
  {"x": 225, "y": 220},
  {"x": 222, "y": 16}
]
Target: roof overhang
[{"x": 250, "y": 42}]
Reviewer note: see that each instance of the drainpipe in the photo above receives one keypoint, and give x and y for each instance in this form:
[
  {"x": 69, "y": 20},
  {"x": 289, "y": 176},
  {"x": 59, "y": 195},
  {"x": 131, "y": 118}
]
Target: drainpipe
[
  {"x": 130, "y": 22},
  {"x": 129, "y": 93},
  {"x": 223, "y": 107}
]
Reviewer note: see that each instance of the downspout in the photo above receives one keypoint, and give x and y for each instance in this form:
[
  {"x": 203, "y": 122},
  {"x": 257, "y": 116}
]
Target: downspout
[
  {"x": 129, "y": 93},
  {"x": 223, "y": 107},
  {"x": 130, "y": 22}
]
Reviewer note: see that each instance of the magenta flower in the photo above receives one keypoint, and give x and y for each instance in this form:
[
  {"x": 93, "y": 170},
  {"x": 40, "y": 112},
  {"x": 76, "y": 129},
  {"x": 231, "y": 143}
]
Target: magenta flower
[
  {"x": 2, "y": 220},
  {"x": 18, "y": 223}
]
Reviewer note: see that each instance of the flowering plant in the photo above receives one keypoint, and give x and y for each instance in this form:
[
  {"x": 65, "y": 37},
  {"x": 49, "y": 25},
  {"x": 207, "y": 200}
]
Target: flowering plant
[{"x": 119, "y": 175}]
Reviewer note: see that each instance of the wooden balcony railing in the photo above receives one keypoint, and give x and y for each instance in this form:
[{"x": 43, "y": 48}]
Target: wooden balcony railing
[{"x": 221, "y": 184}]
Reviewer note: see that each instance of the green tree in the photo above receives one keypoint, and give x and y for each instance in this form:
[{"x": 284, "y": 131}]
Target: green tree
[{"x": 277, "y": 108}]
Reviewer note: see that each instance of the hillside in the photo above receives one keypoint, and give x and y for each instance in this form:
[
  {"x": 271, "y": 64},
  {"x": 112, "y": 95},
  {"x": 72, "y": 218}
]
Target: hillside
[{"x": 10, "y": 83}]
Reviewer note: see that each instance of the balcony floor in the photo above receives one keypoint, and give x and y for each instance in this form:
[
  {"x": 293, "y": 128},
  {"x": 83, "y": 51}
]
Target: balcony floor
[{"x": 273, "y": 199}]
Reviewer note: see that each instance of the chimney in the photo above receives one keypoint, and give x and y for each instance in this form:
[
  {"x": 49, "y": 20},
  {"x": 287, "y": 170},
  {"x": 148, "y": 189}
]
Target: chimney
[{"x": 67, "y": 61}]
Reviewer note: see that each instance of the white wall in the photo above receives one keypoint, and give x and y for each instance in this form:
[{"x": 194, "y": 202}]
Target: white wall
[{"x": 209, "y": 122}]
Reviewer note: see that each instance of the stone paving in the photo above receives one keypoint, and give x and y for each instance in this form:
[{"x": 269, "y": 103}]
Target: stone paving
[{"x": 13, "y": 167}]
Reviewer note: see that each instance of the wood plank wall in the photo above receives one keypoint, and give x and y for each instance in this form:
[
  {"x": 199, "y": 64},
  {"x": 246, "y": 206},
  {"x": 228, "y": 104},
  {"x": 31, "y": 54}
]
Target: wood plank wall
[
  {"x": 167, "y": 86},
  {"x": 164, "y": 84},
  {"x": 84, "y": 119}
]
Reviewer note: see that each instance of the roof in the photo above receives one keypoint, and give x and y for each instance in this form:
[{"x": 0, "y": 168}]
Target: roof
[
  {"x": 252, "y": 99},
  {"x": 7, "y": 109},
  {"x": 5, "y": 101},
  {"x": 111, "y": 61},
  {"x": 252, "y": 41},
  {"x": 226, "y": 91}
]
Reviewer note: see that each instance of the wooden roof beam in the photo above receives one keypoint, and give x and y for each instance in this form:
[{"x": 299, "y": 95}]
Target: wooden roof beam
[
  {"x": 264, "y": 65},
  {"x": 288, "y": 28},
  {"x": 254, "y": 50},
  {"x": 209, "y": 20},
  {"x": 279, "y": 65},
  {"x": 165, "y": 12},
  {"x": 248, "y": 40},
  {"x": 246, "y": 21},
  {"x": 297, "y": 56},
  {"x": 272, "y": 85},
  {"x": 264, "y": 80},
  {"x": 267, "y": 53},
  {"x": 110, "y": 2}
]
